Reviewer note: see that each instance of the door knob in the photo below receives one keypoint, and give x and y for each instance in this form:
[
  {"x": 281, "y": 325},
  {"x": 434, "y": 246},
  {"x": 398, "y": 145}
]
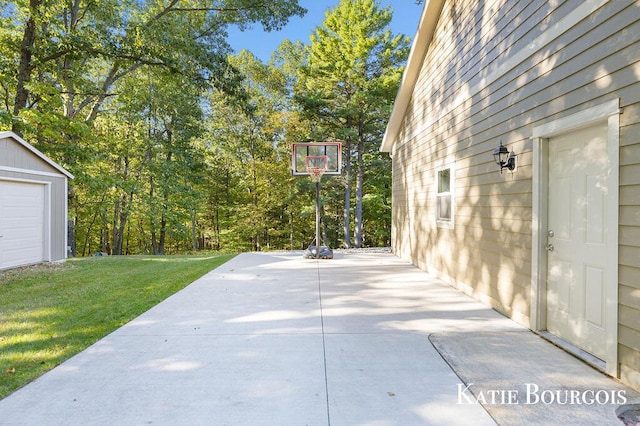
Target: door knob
[
  {"x": 551, "y": 234},
  {"x": 550, "y": 247}
]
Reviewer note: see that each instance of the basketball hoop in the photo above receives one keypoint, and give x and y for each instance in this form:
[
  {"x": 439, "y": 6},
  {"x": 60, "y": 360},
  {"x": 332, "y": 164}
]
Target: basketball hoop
[
  {"x": 316, "y": 166},
  {"x": 316, "y": 159}
]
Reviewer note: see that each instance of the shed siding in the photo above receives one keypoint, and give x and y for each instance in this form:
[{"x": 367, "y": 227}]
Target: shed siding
[
  {"x": 481, "y": 82},
  {"x": 17, "y": 162},
  {"x": 13, "y": 154}
]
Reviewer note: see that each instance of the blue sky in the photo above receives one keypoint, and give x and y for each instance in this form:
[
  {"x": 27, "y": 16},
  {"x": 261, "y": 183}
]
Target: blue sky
[{"x": 406, "y": 15}]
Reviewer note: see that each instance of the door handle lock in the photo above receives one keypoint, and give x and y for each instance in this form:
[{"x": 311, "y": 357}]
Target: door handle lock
[{"x": 550, "y": 247}]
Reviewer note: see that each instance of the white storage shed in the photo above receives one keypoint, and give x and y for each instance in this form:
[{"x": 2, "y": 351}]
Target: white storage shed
[{"x": 33, "y": 205}]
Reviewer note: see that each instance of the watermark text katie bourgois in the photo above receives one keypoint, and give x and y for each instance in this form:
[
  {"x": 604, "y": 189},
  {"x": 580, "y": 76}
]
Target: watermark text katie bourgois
[{"x": 531, "y": 393}]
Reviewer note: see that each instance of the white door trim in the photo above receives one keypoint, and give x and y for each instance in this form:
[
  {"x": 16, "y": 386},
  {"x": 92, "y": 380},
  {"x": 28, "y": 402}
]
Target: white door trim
[{"x": 608, "y": 112}]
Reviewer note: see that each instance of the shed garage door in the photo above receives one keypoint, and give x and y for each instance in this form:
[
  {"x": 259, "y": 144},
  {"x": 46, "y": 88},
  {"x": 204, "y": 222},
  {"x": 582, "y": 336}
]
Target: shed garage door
[{"x": 22, "y": 223}]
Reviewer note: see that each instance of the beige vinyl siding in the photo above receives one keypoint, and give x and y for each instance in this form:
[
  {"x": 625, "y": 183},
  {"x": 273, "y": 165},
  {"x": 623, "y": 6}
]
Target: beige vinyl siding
[
  {"x": 471, "y": 94},
  {"x": 629, "y": 234}
]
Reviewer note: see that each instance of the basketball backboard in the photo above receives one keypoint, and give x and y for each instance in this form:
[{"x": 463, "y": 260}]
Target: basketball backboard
[{"x": 301, "y": 151}]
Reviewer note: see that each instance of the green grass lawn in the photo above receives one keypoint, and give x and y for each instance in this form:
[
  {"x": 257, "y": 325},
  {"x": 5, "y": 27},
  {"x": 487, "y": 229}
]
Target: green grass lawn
[{"x": 48, "y": 313}]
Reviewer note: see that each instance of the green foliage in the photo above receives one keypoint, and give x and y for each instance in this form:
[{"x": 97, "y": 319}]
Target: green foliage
[
  {"x": 81, "y": 49},
  {"x": 50, "y": 313},
  {"x": 254, "y": 197},
  {"x": 175, "y": 145},
  {"x": 347, "y": 87}
]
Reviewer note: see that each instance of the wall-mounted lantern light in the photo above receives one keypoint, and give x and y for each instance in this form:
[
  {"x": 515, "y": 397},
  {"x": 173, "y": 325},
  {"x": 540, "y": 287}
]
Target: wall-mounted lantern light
[{"x": 504, "y": 158}]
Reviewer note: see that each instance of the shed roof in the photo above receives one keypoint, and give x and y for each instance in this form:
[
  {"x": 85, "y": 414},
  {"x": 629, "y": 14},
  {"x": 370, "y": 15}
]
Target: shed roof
[
  {"x": 426, "y": 29},
  {"x": 36, "y": 152}
]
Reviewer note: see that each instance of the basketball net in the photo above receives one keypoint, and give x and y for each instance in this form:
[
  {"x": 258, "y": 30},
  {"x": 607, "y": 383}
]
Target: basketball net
[{"x": 316, "y": 166}]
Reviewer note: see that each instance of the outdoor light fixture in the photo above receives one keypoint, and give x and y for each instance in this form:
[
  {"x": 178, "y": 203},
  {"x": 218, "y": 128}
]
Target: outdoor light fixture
[{"x": 504, "y": 158}]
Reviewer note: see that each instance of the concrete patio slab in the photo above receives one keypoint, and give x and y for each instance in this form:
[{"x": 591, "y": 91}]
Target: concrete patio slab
[
  {"x": 549, "y": 385},
  {"x": 275, "y": 339}
]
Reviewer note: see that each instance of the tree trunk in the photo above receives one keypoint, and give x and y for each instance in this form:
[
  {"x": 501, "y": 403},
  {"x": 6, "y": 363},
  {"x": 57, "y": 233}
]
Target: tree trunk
[
  {"x": 126, "y": 248},
  {"x": 165, "y": 199},
  {"x": 217, "y": 226},
  {"x": 116, "y": 239},
  {"x": 291, "y": 231},
  {"x": 152, "y": 222},
  {"x": 104, "y": 234},
  {"x": 347, "y": 195},
  {"x": 257, "y": 246},
  {"x": 194, "y": 229},
  {"x": 120, "y": 220},
  {"x": 25, "y": 67},
  {"x": 119, "y": 207},
  {"x": 163, "y": 232},
  {"x": 359, "y": 185},
  {"x": 71, "y": 224}
]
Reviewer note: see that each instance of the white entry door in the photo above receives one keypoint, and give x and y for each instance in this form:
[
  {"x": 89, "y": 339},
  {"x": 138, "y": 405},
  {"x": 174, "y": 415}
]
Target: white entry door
[
  {"x": 22, "y": 215},
  {"x": 579, "y": 254}
]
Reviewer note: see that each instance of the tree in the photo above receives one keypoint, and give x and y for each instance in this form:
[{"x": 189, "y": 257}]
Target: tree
[
  {"x": 83, "y": 49},
  {"x": 62, "y": 65},
  {"x": 349, "y": 84},
  {"x": 246, "y": 144},
  {"x": 175, "y": 145}
]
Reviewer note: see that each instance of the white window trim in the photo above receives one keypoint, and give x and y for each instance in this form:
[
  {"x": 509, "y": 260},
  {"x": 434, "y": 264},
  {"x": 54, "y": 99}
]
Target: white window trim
[{"x": 448, "y": 224}]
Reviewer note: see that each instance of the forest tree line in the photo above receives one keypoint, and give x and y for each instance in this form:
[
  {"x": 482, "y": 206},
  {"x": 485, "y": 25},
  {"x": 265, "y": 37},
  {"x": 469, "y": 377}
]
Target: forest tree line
[{"x": 179, "y": 145}]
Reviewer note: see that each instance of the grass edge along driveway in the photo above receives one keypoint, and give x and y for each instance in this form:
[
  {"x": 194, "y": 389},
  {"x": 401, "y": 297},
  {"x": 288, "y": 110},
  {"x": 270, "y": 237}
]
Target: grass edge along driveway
[{"x": 48, "y": 313}]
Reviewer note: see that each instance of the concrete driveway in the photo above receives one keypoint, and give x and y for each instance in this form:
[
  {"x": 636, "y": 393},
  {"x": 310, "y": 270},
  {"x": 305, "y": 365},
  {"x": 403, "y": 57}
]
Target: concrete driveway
[{"x": 274, "y": 339}]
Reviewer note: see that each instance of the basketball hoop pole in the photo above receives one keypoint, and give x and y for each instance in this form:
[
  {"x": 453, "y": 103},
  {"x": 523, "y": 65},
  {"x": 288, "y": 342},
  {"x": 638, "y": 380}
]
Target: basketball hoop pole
[
  {"x": 318, "y": 219},
  {"x": 316, "y": 166}
]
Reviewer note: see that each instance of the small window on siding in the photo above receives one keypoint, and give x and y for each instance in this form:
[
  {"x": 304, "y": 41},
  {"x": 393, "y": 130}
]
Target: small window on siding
[{"x": 444, "y": 196}]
